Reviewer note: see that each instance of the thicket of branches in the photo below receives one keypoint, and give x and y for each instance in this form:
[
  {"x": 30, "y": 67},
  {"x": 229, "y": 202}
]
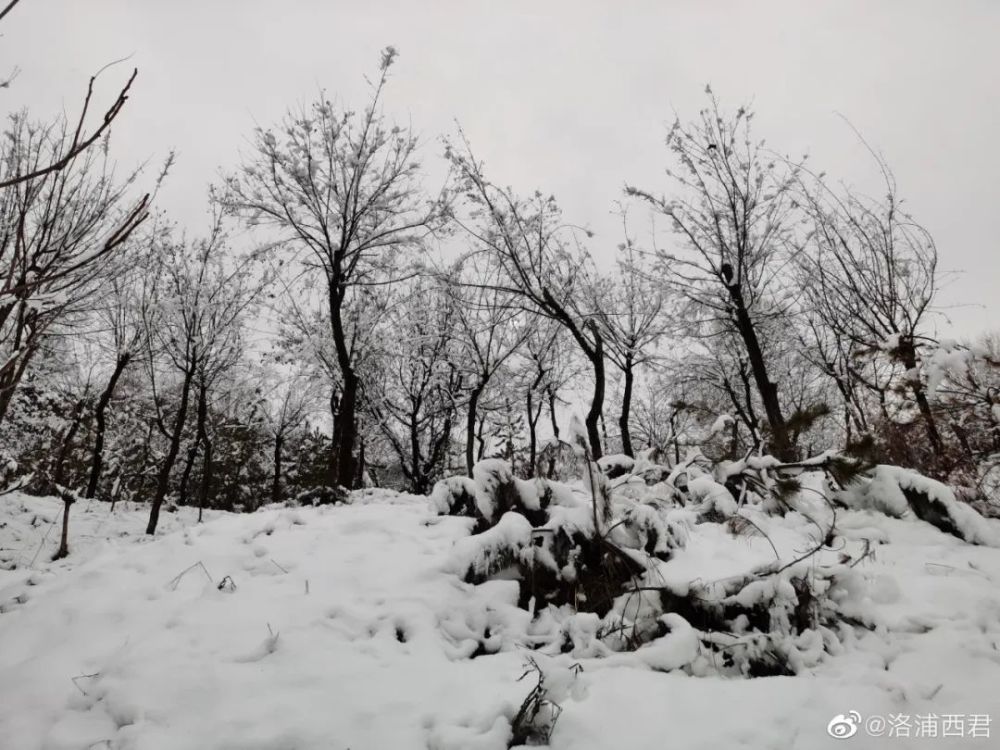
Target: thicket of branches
[{"x": 378, "y": 329}]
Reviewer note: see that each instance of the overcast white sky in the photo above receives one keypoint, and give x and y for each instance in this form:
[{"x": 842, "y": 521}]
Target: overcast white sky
[{"x": 569, "y": 97}]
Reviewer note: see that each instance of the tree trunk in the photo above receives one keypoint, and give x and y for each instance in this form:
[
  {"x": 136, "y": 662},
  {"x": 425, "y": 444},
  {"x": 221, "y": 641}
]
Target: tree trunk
[
  {"x": 63, "y": 550},
  {"x": 206, "y": 477},
  {"x": 416, "y": 480},
  {"x": 201, "y": 438},
  {"x": 470, "y": 428},
  {"x": 66, "y": 495},
  {"x": 758, "y": 367},
  {"x": 359, "y": 468},
  {"x": 163, "y": 476},
  {"x": 552, "y": 412},
  {"x": 182, "y": 488},
  {"x": 67, "y": 443},
  {"x": 627, "y": 407},
  {"x": 480, "y": 439},
  {"x": 97, "y": 457},
  {"x": 202, "y": 415},
  {"x": 276, "y": 479},
  {"x": 908, "y": 355},
  {"x": 675, "y": 437},
  {"x": 345, "y": 432},
  {"x": 331, "y": 465},
  {"x": 345, "y": 424},
  {"x": 597, "y": 401},
  {"x": 532, "y": 433}
]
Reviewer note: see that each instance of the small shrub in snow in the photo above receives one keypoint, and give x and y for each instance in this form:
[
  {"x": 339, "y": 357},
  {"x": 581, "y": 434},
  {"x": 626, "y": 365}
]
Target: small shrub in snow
[
  {"x": 593, "y": 562},
  {"x": 323, "y": 496},
  {"x": 536, "y": 718}
]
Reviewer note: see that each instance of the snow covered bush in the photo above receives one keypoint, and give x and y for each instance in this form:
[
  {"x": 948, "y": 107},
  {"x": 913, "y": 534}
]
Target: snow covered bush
[{"x": 621, "y": 566}]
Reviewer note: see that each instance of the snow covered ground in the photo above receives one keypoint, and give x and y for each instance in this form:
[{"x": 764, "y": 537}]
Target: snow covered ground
[{"x": 344, "y": 627}]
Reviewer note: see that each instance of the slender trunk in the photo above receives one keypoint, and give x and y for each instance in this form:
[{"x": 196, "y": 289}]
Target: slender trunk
[
  {"x": 480, "y": 439},
  {"x": 415, "y": 478},
  {"x": 534, "y": 414},
  {"x": 509, "y": 436},
  {"x": 908, "y": 355},
  {"x": 202, "y": 415},
  {"x": 206, "y": 477},
  {"x": 552, "y": 412},
  {"x": 676, "y": 437},
  {"x": 63, "y": 550},
  {"x": 758, "y": 367},
  {"x": 597, "y": 401},
  {"x": 359, "y": 469},
  {"x": 470, "y": 428},
  {"x": 67, "y": 496},
  {"x": 627, "y": 407},
  {"x": 345, "y": 428},
  {"x": 345, "y": 425},
  {"x": 182, "y": 488},
  {"x": 100, "y": 418},
  {"x": 551, "y": 393},
  {"x": 532, "y": 437},
  {"x": 963, "y": 440},
  {"x": 276, "y": 479},
  {"x": 334, "y": 438},
  {"x": 67, "y": 443},
  {"x": 163, "y": 476}
]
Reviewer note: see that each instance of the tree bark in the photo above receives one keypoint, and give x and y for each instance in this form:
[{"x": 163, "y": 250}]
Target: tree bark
[
  {"x": 627, "y": 407},
  {"x": 63, "y": 550},
  {"x": 67, "y": 497},
  {"x": 345, "y": 431},
  {"x": 908, "y": 355},
  {"x": 100, "y": 417},
  {"x": 359, "y": 467},
  {"x": 594, "y": 351},
  {"x": 470, "y": 428},
  {"x": 206, "y": 477},
  {"x": 279, "y": 439},
  {"x": 163, "y": 476},
  {"x": 345, "y": 422},
  {"x": 552, "y": 412},
  {"x": 758, "y": 367},
  {"x": 202, "y": 414},
  {"x": 597, "y": 401},
  {"x": 182, "y": 488}
]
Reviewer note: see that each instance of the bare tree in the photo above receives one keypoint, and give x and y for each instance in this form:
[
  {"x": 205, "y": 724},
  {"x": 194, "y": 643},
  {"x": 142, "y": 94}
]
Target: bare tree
[
  {"x": 870, "y": 278},
  {"x": 12, "y": 173},
  {"x": 290, "y": 402},
  {"x": 420, "y": 384},
  {"x": 544, "y": 373},
  {"x": 345, "y": 188},
  {"x": 631, "y": 310},
  {"x": 732, "y": 216},
  {"x": 490, "y": 328},
  {"x": 122, "y": 335},
  {"x": 59, "y": 236},
  {"x": 542, "y": 262},
  {"x": 415, "y": 400},
  {"x": 195, "y": 332}
]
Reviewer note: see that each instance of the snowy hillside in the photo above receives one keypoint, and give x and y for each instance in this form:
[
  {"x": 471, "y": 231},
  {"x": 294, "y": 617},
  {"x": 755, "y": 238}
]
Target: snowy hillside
[{"x": 348, "y": 627}]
